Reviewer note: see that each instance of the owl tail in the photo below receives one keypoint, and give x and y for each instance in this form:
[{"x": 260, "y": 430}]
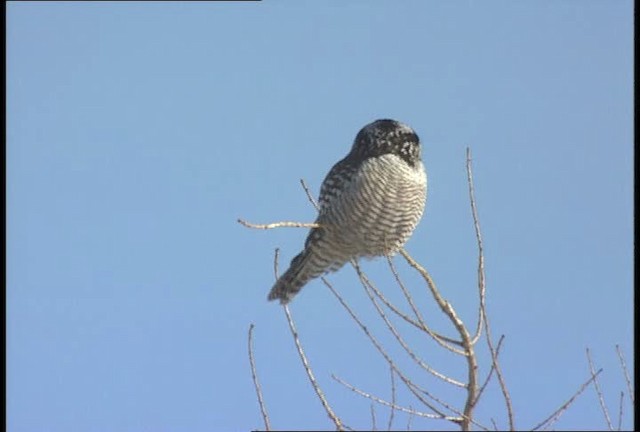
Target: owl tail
[{"x": 303, "y": 268}]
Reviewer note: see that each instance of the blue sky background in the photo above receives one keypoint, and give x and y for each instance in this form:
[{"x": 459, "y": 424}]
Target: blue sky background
[{"x": 137, "y": 133}]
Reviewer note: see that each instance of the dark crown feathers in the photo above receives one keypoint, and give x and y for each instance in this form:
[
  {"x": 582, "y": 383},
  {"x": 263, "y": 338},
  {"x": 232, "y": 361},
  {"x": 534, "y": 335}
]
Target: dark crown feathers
[{"x": 386, "y": 136}]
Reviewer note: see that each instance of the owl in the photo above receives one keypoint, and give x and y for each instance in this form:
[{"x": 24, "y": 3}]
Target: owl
[{"x": 370, "y": 202}]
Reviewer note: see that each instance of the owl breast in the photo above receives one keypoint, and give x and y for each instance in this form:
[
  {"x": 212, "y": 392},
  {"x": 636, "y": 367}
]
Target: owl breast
[{"x": 378, "y": 208}]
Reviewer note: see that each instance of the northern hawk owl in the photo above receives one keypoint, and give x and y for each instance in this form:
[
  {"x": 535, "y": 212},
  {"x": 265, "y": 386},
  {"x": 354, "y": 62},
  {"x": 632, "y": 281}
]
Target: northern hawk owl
[{"x": 370, "y": 203}]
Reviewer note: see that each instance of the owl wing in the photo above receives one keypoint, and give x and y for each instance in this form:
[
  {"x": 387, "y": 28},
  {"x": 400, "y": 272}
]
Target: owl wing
[{"x": 335, "y": 184}]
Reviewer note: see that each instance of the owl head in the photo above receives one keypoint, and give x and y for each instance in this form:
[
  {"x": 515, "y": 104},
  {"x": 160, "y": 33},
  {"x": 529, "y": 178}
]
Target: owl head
[{"x": 386, "y": 136}]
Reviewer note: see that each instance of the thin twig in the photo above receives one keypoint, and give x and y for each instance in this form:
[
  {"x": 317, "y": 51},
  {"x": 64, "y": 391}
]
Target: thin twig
[
  {"x": 444, "y": 305},
  {"x": 476, "y": 225},
  {"x": 472, "y": 366},
  {"x": 276, "y": 257},
  {"x": 397, "y": 311},
  {"x": 408, "y": 319},
  {"x": 490, "y": 374},
  {"x": 303, "y": 357},
  {"x": 384, "y": 402},
  {"x": 438, "y": 337},
  {"x": 365, "y": 282},
  {"x": 501, "y": 381},
  {"x": 381, "y": 350},
  {"x": 307, "y": 368},
  {"x": 393, "y": 398},
  {"x": 626, "y": 374},
  {"x": 279, "y": 225},
  {"x": 620, "y": 411},
  {"x": 451, "y": 408},
  {"x": 557, "y": 413},
  {"x": 256, "y": 383},
  {"x": 373, "y": 418},
  {"x": 409, "y": 420},
  {"x": 605, "y": 411},
  {"x": 495, "y": 425},
  {"x": 309, "y": 196},
  {"x": 413, "y": 388},
  {"x": 482, "y": 314},
  {"x": 416, "y": 390}
]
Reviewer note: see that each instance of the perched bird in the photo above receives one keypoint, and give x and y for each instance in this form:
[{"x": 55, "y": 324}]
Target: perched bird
[{"x": 370, "y": 203}]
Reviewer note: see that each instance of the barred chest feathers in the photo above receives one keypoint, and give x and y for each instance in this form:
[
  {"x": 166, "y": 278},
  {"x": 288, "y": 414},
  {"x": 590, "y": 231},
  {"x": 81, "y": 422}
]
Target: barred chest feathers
[
  {"x": 370, "y": 203},
  {"x": 378, "y": 207}
]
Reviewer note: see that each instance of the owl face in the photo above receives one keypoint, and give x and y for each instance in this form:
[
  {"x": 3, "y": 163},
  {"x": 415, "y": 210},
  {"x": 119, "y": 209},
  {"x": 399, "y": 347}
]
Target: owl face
[{"x": 387, "y": 137}]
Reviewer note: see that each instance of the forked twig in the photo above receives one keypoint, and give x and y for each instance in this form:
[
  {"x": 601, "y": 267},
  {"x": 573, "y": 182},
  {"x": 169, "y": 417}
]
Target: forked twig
[
  {"x": 419, "y": 325},
  {"x": 436, "y": 336},
  {"x": 472, "y": 366},
  {"x": 367, "y": 283},
  {"x": 626, "y": 374},
  {"x": 383, "y": 352},
  {"x": 490, "y": 374},
  {"x": 495, "y": 425},
  {"x": 482, "y": 314},
  {"x": 461, "y": 415},
  {"x": 605, "y": 411},
  {"x": 256, "y": 383},
  {"x": 413, "y": 388},
  {"x": 466, "y": 341}
]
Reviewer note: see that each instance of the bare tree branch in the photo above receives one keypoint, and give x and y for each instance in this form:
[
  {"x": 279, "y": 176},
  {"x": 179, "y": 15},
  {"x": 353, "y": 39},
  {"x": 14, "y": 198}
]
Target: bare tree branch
[
  {"x": 278, "y": 225},
  {"x": 366, "y": 282},
  {"x": 393, "y": 406},
  {"x": 476, "y": 225},
  {"x": 620, "y": 411},
  {"x": 495, "y": 425},
  {"x": 465, "y": 346},
  {"x": 490, "y": 374},
  {"x": 309, "y": 195},
  {"x": 307, "y": 368},
  {"x": 419, "y": 325},
  {"x": 276, "y": 258},
  {"x": 482, "y": 314},
  {"x": 415, "y": 389},
  {"x": 373, "y": 418},
  {"x": 409, "y": 420},
  {"x": 472, "y": 366},
  {"x": 393, "y": 397},
  {"x": 557, "y": 413},
  {"x": 256, "y": 383},
  {"x": 605, "y": 411},
  {"x": 303, "y": 357},
  {"x": 381, "y": 350},
  {"x": 436, "y": 336},
  {"x": 623, "y": 364}
]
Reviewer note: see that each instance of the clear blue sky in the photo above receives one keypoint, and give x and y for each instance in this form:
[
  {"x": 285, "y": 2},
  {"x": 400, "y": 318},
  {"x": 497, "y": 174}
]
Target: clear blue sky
[{"x": 137, "y": 133}]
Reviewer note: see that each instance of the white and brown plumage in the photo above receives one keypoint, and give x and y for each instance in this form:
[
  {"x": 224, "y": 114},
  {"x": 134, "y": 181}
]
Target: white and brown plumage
[{"x": 370, "y": 203}]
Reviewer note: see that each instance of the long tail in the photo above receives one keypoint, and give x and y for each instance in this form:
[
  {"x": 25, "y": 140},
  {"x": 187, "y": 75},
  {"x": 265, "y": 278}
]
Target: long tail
[{"x": 303, "y": 268}]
